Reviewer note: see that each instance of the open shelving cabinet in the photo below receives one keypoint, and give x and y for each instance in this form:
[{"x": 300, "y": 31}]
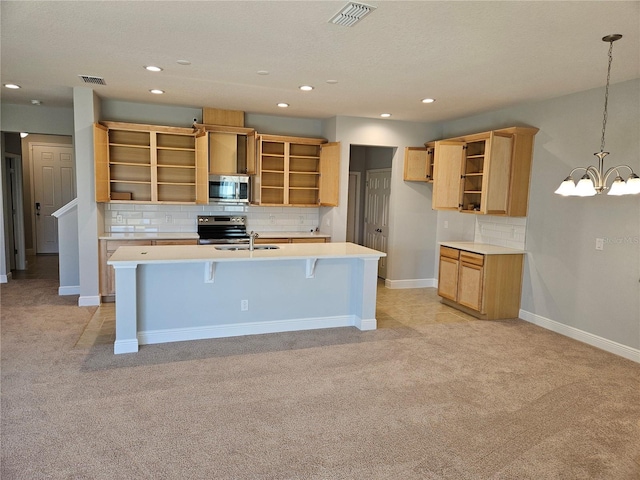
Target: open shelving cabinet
[
  {"x": 297, "y": 171},
  {"x": 149, "y": 164}
]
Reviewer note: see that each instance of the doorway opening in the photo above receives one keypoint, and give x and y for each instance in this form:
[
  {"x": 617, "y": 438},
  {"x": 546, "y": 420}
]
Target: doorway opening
[{"x": 368, "y": 198}]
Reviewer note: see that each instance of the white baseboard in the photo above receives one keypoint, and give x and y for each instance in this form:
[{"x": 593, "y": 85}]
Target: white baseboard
[
  {"x": 4, "y": 279},
  {"x": 610, "y": 346},
  {"x": 366, "y": 323},
  {"x": 89, "y": 301},
  {"x": 69, "y": 290},
  {"x": 413, "y": 283},
  {"x": 125, "y": 346},
  {"x": 219, "y": 331}
]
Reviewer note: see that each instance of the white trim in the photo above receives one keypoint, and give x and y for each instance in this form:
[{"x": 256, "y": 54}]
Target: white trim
[
  {"x": 610, "y": 346},
  {"x": 125, "y": 346},
  {"x": 89, "y": 301},
  {"x": 234, "y": 330},
  {"x": 357, "y": 220},
  {"x": 4, "y": 279},
  {"x": 366, "y": 323},
  {"x": 411, "y": 283},
  {"x": 66, "y": 208},
  {"x": 69, "y": 290}
]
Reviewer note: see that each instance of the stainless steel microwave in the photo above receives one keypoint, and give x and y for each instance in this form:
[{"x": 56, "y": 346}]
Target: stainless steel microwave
[{"x": 229, "y": 189}]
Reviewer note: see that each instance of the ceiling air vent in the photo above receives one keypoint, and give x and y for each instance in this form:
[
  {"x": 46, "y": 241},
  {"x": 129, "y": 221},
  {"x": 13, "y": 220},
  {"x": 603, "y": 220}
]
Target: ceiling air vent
[
  {"x": 93, "y": 80},
  {"x": 351, "y": 14}
]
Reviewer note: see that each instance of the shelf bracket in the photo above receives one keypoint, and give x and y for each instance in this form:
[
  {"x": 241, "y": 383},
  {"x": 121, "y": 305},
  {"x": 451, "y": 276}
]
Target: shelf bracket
[
  {"x": 209, "y": 272},
  {"x": 311, "y": 267}
]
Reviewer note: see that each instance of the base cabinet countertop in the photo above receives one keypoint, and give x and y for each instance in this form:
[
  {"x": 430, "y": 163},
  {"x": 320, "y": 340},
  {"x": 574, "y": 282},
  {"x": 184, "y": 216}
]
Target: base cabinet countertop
[
  {"x": 190, "y": 292},
  {"x": 482, "y": 280}
]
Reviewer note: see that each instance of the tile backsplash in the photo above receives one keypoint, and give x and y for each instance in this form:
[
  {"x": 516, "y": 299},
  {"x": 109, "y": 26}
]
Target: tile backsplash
[
  {"x": 134, "y": 218},
  {"x": 504, "y": 231}
]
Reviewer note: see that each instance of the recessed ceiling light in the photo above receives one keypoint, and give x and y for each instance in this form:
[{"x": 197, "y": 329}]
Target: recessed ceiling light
[
  {"x": 156, "y": 91},
  {"x": 12, "y": 85},
  {"x": 153, "y": 68},
  {"x": 183, "y": 62},
  {"x": 36, "y": 102},
  {"x": 385, "y": 115},
  {"x": 283, "y": 105},
  {"x": 332, "y": 82},
  {"x": 428, "y": 100},
  {"x": 263, "y": 72},
  {"x": 306, "y": 88}
]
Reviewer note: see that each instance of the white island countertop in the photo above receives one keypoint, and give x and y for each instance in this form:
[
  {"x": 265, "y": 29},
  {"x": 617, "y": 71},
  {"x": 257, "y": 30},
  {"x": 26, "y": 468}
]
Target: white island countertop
[
  {"x": 483, "y": 248},
  {"x": 209, "y": 253}
]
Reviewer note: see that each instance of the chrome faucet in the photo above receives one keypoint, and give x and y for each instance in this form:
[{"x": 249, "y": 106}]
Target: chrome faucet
[{"x": 252, "y": 238}]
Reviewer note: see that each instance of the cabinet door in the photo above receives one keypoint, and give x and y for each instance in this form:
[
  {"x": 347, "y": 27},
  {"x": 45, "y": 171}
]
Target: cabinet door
[
  {"x": 446, "y": 175},
  {"x": 202, "y": 174},
  {"x": 495, "y": 188},
  {"x": 251, "y": 154},
  {"x": 470, "y": 285},
  {"x": 415, "y": 164},
  {"x": 101, "y": 162},
  {"x": 448, "y": 278},
  {"x": 330, "y": 174},
  {"x": 223, "y": 153}
]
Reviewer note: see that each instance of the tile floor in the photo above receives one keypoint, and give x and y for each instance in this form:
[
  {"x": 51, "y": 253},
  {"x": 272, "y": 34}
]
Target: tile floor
[{"x": 396, "y": 308}]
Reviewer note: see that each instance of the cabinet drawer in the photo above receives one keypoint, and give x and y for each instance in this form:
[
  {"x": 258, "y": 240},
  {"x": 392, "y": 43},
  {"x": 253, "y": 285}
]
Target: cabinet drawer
[
  {"x": 271, "y": 240},
  {"x": 472, "y": 258},
  {"x": 112, "y": 245},
  {"x": 176, "y": 242},
  {"x": 308, "y": 240},
  {"x": 449, "y": 252}
]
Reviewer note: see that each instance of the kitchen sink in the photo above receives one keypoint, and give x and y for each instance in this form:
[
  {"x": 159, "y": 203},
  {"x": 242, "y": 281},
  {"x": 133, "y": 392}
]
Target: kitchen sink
[{"x": 246, "y": 247}]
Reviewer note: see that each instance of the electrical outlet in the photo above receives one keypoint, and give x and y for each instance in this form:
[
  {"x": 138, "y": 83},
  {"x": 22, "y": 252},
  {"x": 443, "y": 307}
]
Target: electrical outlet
[
  {"x": 301, "y": 219},
  {"x": 446, "y": 224},
  {"x": 119, "y": 219},
  {"x": 244, "y": 305},
  {"x": 272, "y": 219},
  {"x": 168, "y": 219},
  {"x": 599, "y": 243}
]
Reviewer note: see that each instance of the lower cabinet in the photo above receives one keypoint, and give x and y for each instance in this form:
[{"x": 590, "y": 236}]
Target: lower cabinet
[
  {"x": 485, "y": 286},
  {"x": 108, "y": 248}
]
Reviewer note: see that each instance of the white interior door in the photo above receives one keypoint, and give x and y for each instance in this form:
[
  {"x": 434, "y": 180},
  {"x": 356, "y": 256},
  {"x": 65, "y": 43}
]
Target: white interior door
[
  {"x": 376, "y": 216},
  {"x": 53, "y": 187}
]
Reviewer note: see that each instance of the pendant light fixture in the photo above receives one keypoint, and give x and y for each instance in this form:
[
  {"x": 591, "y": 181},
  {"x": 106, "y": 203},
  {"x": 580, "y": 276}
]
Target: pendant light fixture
[{"x": 594, "y": 180}]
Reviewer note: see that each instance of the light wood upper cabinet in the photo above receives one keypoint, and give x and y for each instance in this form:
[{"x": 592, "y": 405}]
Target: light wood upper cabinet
[
  {"x": 297, "y": 171},
  {"x": 418, "y": 163},
  {"x": 149, "y": 164},
  {"x": 486, "y": 173}
]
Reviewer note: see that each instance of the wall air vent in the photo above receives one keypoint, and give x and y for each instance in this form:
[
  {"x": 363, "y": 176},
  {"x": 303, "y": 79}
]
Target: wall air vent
[
  {"x": 93, "y": 80},
  {"x": 351, "y": 14}
]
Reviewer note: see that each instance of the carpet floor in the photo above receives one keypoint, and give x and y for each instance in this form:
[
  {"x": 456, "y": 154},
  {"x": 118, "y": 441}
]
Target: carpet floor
[{"x": 430, "y": 394}]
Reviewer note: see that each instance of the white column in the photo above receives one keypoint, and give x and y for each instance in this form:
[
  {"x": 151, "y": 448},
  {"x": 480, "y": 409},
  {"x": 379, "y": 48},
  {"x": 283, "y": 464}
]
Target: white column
[
  {"x": 126, "y": 309},
  {"x": 365, "y": 301}
]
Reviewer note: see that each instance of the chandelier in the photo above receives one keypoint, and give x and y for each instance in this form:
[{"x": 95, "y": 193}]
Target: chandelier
[{"x": 594, "y": 180}]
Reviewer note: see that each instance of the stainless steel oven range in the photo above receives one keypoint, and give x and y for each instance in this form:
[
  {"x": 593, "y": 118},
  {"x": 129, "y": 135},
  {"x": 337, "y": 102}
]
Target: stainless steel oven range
[{"x": 221, "y": 229}]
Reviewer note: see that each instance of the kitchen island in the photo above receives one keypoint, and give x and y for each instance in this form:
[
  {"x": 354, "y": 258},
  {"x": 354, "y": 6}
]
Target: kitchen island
[{"x": 188, "y": 292}]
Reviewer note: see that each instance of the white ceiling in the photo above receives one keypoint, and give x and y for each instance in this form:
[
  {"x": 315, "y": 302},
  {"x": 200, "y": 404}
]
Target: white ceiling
[{"x": 471, "y": 56}]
